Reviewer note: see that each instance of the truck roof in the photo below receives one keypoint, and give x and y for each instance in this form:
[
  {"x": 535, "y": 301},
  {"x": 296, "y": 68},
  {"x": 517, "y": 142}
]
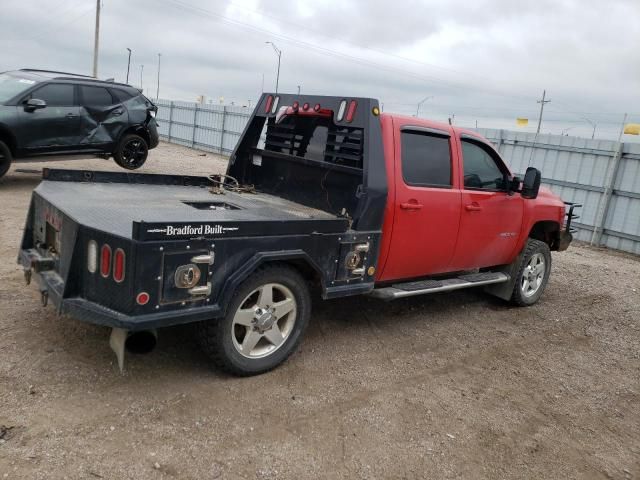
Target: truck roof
[{"x": 425, "y": 122}]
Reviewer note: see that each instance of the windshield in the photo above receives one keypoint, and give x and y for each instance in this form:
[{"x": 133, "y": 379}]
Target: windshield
[{"x": 10, "y": 86}]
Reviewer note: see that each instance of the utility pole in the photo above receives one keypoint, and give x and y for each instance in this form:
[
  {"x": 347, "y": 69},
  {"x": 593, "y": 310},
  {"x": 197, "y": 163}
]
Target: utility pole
[
  {"x": 158, "y": 87},
  {"x": 96, "y": 40},
  {"x": 141, "y": 70},
  {"x": 279, "y": 53},
  {"x": 542, "y": 103},
  {"x": 128, "y": 65},
  {"x": 420, "y": 104}
]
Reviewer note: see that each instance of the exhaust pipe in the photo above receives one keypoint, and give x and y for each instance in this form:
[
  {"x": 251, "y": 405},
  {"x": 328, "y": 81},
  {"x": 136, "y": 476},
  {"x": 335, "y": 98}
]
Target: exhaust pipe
[{"x": 140, "y": 342}]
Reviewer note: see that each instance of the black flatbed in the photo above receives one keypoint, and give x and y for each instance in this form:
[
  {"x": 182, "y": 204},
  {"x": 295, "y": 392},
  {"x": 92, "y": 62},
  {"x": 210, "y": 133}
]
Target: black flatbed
[{"x": 149, "y": 202}]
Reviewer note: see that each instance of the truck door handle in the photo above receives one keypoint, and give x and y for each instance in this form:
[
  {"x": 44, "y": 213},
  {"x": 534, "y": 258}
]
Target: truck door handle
[
  {"x": 410, "y": 206},
  {"x": 71, "y": 115},
  {"x": 473, "y": 207}
]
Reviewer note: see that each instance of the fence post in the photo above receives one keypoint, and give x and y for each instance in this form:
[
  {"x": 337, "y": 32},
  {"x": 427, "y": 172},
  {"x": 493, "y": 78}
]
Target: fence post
[
  {"x": 170, "y": 120},
  {"x": 195, "y": 124},
  {"x": 607, "y": 195},
  {"x": 224, "y": 116}
]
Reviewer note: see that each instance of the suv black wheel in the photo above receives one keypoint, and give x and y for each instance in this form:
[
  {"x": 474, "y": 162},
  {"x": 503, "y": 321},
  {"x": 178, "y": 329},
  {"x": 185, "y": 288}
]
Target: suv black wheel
[
  {"x": 132, "y": 152},
  {"x": 533, "y": 274},
  {"x": 5, "y": 159},
  {"x": 264, "y": 323}
]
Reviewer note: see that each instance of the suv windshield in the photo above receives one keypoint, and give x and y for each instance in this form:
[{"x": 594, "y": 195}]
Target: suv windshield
[{"x": 10, "y": 86}]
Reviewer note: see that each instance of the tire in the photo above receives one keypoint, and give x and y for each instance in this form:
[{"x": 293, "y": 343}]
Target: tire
[
  {"x": 132, "y": 152},
  {"x": 5, "y": 159},
  {"x": 533, "y": 274},
  {"x": 253, "y": 338}
]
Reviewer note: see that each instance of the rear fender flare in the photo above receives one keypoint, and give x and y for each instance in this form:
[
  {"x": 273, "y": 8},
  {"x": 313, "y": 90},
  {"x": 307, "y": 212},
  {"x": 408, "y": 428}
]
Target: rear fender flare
[{"x": 259, "y": 260}]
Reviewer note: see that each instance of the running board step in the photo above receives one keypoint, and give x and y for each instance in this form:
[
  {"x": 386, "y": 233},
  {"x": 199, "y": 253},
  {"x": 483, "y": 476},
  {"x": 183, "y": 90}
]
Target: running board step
[{"x": 422, "y": 287}]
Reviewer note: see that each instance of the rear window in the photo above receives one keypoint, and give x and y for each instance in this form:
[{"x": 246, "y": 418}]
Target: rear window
[
  {"x": 317, "y": 138},
  {"x": 122, "y": 95},
  {"x": 426, "y": 159},
  {"x": 95, "y": 96}
]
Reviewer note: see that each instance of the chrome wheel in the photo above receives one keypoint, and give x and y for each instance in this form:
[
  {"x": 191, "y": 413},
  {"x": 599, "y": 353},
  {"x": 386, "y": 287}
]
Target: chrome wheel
[
  {"x": 264, "y": 320},
  {"x": 533, "y": 275}
]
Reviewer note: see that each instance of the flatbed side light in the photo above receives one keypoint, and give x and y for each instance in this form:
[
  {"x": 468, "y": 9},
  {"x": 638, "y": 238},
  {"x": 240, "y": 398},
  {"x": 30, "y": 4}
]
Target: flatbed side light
[
  {"x": 119, "y": 265},
  {"x": 92, "y": 256},
  {"x": 142, "y": 298},
  {"x": 351, "y": 111},
  {"x": 267, "y": 108},
  {"x": 105, "y": 260}
]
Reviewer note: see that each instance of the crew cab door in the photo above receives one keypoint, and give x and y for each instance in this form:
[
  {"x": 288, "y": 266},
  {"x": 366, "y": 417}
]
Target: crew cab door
[
  {"x": 491, "y": 215},
  {"x": 54, "y": 127},
  {"x": 427, "y": 204}
]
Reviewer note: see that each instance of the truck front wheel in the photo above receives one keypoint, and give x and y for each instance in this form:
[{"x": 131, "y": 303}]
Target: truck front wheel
[
  {"x": 533, "y": 274},
  {"x": 264, "y": 323}
]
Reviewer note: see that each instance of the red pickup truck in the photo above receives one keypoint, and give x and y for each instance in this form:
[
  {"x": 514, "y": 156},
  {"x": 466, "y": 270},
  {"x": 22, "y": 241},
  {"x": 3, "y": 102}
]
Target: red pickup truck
[{"x": 323, "y": 192}]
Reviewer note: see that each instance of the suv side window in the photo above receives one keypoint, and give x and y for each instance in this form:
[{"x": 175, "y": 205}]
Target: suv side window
[
  {"x": 426, "y": 159},
  {"x": 96, "y": 96},
  {"x": 55, "y": 94},
  {"x": 481, "y": 168}
]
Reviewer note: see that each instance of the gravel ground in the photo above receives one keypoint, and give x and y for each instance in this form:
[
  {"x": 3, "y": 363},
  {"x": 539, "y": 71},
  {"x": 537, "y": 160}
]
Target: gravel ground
[{"x": 456, "y": 385}]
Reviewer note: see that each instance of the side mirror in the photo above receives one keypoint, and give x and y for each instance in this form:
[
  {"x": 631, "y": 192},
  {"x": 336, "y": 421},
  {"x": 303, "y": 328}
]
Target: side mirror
[
  {"x": 34, "y": 104},
  {"x": 531, "y": 183},
  {"x": 514, "y": 184}
]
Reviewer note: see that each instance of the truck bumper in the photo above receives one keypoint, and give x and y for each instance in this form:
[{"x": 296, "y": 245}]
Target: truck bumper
[{"x": 51, "y": 286}]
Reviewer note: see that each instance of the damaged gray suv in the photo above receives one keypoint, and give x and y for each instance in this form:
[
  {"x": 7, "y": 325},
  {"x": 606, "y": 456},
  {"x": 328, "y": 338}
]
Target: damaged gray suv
[{"x": 44, "y": 112}]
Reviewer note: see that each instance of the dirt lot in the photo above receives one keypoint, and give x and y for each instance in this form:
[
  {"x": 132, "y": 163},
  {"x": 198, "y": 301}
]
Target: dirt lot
[{"x": 455, "y": 385}]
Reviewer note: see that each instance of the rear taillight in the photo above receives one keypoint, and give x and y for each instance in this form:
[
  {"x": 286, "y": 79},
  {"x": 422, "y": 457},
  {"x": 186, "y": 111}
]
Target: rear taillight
[
  {"x": 305, "y": 107},
  {"x": 341, "y": 110},
  {"x": 267, "y": 108},
  {"x": 351, "y": 111},
  {"x": 118, "y": 265},
  {"x": 92, "y": 256},
  {"x": 105, "y": 260}
]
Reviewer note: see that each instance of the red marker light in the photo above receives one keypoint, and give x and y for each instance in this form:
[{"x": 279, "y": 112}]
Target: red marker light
[
  {"x": 305, "y": 106},
  {"x": 316, "y": 108},
  {"x": 105, "y": 260},
  {"x": 296, "y": 105},
  {"x": 118, "y": 265},
  {"x": 142, "y": 298},
  {"x": 351, "y": 111},
  {"x": 267, "y": 108}
]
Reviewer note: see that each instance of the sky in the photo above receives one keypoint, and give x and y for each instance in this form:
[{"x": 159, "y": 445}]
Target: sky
[{"x": 484, "y": 61}]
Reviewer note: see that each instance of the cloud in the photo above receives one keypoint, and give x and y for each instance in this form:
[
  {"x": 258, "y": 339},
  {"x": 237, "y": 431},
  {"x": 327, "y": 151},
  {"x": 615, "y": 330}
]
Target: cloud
[{"x": 488, "y": 58}]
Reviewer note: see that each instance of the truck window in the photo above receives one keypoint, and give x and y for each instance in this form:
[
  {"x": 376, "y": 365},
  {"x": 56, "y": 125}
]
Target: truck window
[
  {"x": 315, "y": 138},
  {"x": 426, "y": 159},
  {"x": 481, "y": 170}
]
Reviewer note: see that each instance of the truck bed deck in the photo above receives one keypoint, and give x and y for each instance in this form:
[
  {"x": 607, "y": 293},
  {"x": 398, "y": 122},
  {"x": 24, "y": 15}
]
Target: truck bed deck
[{"x": 113, "y": 206}]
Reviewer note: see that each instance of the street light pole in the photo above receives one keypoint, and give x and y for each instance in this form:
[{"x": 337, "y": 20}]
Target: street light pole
[
  {"x": 298, "y": 89},
  {"x": 96, "y": 40},
  {"x": 420, "y": 104},
  {"x": 128, "y": 65},
  {"x": 279, "y": 53},
  {"x": 158, "y": 87},
  {"x": 141, "y": 70}
]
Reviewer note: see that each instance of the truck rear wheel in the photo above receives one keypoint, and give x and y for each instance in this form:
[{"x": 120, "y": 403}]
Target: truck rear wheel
[
  {"x": 533, "y": 274},
  {"x": 5, "y": 159},
  {"x": 264, "y": 323}
]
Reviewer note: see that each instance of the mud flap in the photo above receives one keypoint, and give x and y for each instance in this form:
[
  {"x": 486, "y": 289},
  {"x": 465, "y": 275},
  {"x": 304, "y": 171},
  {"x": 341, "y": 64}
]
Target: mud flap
[
  {"x": 117, "y": 344},
  {"x": 505, "y": 289}
]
